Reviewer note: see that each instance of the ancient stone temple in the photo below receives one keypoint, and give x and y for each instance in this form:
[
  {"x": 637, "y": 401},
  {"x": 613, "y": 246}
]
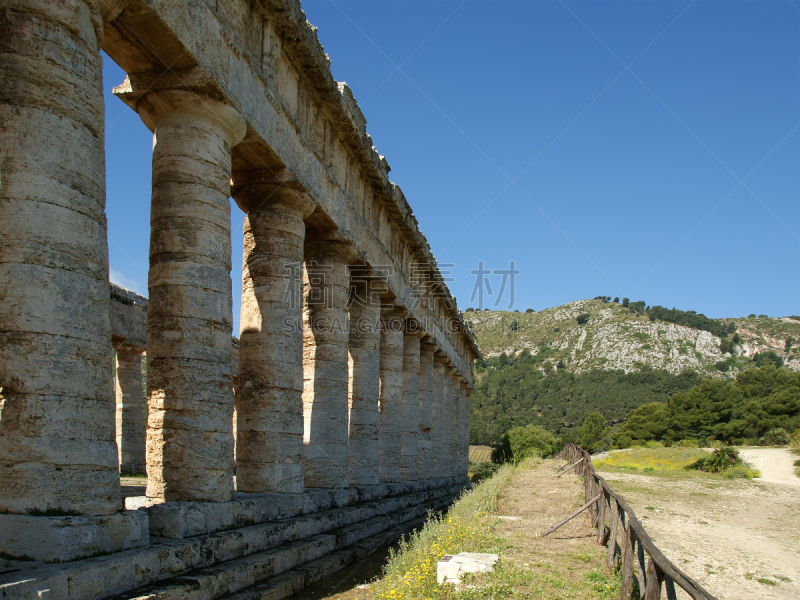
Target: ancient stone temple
[{"x": 349, "y": 384}]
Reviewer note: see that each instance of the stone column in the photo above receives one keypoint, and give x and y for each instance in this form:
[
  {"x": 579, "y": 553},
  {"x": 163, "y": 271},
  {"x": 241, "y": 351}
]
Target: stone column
[
  {"x": 189, "y": 319},
  {"x": 325, "y": 372},
  {"x": 437, "y": 406},
  {"x": 270, "y": 392},
  {"x": 391, "y": 393},
  {"x": 425, "y": 459},
  {"x": 409, "y": 418},
  {"x": 456, "y": 426},
  {"x": 131, "y": 432},
  {"x": 57, "y": 430},
  {"x": 447, "y": 420},
  {"x": 466, "y": 394},
  {"x": 364, "y": 388}
]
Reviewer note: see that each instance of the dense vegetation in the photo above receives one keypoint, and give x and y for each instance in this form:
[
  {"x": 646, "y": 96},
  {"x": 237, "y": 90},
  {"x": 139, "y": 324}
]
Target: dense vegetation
[
  {"x": 690, "y": 318},
  {"x": 512, "y": 392},
  {"x": 758, "y": 404}
]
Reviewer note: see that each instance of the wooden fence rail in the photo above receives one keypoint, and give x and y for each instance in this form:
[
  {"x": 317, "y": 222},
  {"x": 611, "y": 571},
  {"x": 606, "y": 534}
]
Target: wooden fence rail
[{"x": 628, "y": 542}]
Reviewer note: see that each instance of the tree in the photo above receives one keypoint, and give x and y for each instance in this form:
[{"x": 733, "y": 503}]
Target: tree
[
  {"x": 514, "y": 325},
  {"x": 530, "y": 310},
  {"x": 625, "y": 302},
  {"x": 583, "y": 318},
  {"x": 616, "y": 300},
  {"x": 593, "y": 434},
  {"x": 648, "y": 422},
  {"x": 523, "y": 442},
  {"x": 470, "y": 309}
]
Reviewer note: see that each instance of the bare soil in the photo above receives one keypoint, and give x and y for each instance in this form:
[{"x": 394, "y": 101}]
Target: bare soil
[{"x": 739, "y": 538}]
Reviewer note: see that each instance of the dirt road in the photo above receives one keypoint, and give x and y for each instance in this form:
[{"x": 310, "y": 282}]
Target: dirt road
[
  {"x": 776, "y": 464},
  {"x": 739, "y": 538}
]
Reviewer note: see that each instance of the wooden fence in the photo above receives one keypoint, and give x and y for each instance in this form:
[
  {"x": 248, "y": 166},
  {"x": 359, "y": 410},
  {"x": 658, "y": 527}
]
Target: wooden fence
[{"x": 627, "y": 540}]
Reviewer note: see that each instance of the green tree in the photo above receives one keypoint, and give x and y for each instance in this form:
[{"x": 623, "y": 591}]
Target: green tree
[
  {"x": 583, "y": 318},
  {"x": 625, "y": 302},
  {"x": 593, "y": 434},
  {"x": 523, "y": 442},
  {"x": 645, "y": 423},
  {"x": 616, "y": 300},
  {"x": 529, "y": 310}
]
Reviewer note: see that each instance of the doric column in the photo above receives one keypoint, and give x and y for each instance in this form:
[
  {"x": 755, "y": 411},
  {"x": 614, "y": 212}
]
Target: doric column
[
  {"x": 269, "y": 445},
  {"x": 437, "y": 406},
  {"x": 447, "y": 420},
  {"x": 131, "y": 432},
  {"x": 364, "y": 387},
  {"x": 325, "y": 371},
  {"x": 409, "y": 418},
  {"x": 391, "y": 393},
  {"x": 425, "y": 459},
  {"x": 189, "y": 319},
  {"x": 456, "y": 426},
  {"x": 57, "y": 450},
  {"x": 466, "y": 394}
]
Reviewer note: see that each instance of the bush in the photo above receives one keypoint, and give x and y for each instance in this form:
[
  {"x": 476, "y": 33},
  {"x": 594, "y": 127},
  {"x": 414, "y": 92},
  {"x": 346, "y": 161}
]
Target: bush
[
  {"x": 776, "y": 437},
  {"x": 722, "y": 459},
  {"x": 583, "y": 318},
  {"x": 796, "y": 441},
  {"x": 722, "y": 366},
  {"x": 593, "y": 435},
  {"x": 523, "y": 442}
]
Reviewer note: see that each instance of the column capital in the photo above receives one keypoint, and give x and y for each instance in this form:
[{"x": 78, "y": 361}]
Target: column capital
[
  {"x": 160, "y": 107},
  {"x": 259, "y": 188},
  {"x": 413, "y": 328},
  {"x": 457, "y": 378},
  {"x": 428, "y": 348},
  {"x": 451, "y": 370},
  {"x": 123, "y": 345},
  {"x": 440, "y": 358}
]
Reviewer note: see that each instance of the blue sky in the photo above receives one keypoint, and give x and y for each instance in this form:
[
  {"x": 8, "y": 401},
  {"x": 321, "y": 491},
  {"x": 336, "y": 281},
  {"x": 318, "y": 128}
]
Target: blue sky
[{"x": 640, "y": 149}]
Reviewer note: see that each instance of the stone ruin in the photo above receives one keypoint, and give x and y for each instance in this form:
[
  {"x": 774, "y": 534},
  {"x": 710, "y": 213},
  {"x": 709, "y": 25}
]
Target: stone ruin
[{"x": 354, "y": 368}]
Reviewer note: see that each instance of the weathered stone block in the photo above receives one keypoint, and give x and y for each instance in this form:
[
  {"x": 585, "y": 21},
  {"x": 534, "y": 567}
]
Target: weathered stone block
[{"x": 61, "y": 539}]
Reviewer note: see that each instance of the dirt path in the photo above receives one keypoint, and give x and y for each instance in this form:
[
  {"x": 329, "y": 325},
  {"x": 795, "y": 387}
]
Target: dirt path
[
  {"x": 776, "y": 464},
  {"x": 739, "y": 538}
]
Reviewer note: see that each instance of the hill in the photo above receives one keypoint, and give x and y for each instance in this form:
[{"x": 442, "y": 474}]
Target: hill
[{"x": 615, "y": 337}]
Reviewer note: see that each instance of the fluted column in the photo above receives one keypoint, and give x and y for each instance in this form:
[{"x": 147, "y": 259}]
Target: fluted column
[
  {"x": 364, "y": 387},
  {"x": 269, "y": 446},
  {"x": 391, "y": 393},
  {"x": 189, "y": 319},
  {"x": 437, "y": 406},
  {"x": 456, "y": 426},
  {"x": 131, "y": 434},
  {"x": 325, "y": 370},
  {"x": 410, "y": 404},
  {"x": 57, "y": 430},
  {"x": 425, "y": 467},
  {"x": 447, "y": 420},
  {"x": 466, "y": 394}
]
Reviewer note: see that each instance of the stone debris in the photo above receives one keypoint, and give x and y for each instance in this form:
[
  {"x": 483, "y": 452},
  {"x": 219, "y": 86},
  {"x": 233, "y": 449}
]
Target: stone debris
[{"x": 453, "y": 567}]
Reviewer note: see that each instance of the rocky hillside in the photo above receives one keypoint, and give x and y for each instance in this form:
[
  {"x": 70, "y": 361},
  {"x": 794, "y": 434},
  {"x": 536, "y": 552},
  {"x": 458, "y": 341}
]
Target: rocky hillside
[{"x": 614, "y": 337}]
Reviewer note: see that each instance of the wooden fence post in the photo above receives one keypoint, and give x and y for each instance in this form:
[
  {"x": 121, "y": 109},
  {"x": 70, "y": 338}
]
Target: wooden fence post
[
  {"x": 669, "y": 586},
  {"x": 611, "y": 555},
  {"x": 627, "y": 562},
  {"x": 640, "y": 572},
  {"x": 654, "y": 579},
  {"x": 601, "y": 516}
]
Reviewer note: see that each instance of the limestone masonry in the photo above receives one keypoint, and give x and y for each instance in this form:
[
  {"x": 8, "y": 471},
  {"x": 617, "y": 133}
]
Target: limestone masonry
[{"x": 332, "y": 425}]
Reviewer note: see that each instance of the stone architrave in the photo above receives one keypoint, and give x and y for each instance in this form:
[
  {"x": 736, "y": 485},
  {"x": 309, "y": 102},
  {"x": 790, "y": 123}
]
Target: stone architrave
[
  {"x": 456, "y": 425},
  {"x": 425, "y": 460},
  {"x": 131, "y": 430},
  {"x": 437, "y": 399},
  {"x": 189, "y": 318},
  {"x": 447, "y": 421},
  {"x": 57, "y": 431},
  {"x": 391, "y": 393},
  {"x": 409, "y": 418},
  {"x": 364, "y": 386},
  {"x": 269, "y": 441},
  {"x": 325, "y": 339}
]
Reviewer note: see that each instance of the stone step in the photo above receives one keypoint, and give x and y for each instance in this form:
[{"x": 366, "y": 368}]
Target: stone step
[
  {"x": 340, "y": 545},
  {"x": 119, "y": 573},
  {"x": 295, "y": 580}
]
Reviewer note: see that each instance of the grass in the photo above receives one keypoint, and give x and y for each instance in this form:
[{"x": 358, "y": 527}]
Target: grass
[
  {"x": 469, "y": 526},
  {"x": 669, "y": 459},
  {"x": 652, "y": 459}
]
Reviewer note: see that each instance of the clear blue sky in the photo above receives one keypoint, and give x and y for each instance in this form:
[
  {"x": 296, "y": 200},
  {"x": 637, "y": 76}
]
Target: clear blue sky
[{"x": 517, "y": 133}]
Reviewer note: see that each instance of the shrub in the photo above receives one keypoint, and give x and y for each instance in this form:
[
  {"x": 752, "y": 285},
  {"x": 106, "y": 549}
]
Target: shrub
[
  {"x": 583, "y": 318},
  {"x": 722, "y": 366},
  {"x": 776, "y": 437},
  {"x": 721, "y": 459},
  {"x": 796, "y": 441},
  {"x": 523, "y": 442},
  {"x": 593, "y": 435}
]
